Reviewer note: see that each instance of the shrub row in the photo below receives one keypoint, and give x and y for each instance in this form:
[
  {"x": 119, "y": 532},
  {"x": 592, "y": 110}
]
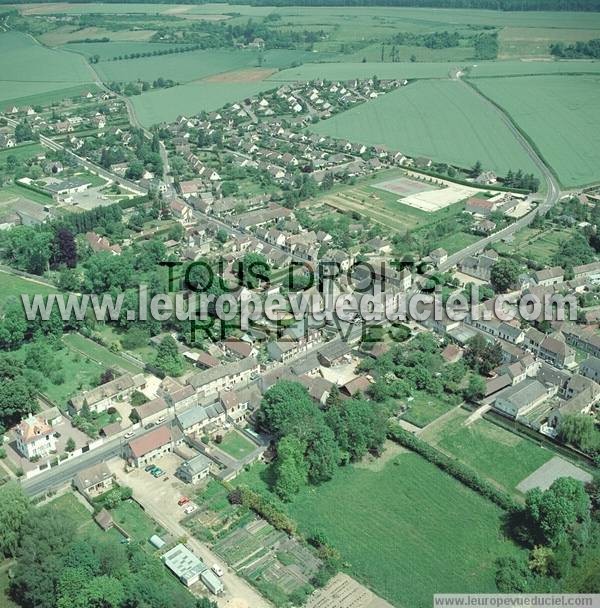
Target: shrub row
[
  {"x": 262, "y": 506},
  {"x": 459, "y": 471}
]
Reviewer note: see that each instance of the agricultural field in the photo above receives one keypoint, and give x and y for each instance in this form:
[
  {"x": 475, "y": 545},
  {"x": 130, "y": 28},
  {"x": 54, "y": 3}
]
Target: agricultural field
[
  {"x": 496, "y": 453},
  {"x": 193, "y": 65},
  {"x": 406, "y": 530},
  {"x": 560, "y": 114},
  {"x": 442, "y": 120},
  {"x": 166, "y": 104},
  {"x": 491, "y": 69},
  {"x": 25, "y": 60}
]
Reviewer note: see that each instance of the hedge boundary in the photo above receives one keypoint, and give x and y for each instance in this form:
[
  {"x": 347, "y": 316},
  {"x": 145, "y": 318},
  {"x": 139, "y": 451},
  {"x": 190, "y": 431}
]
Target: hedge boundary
[{"x": 466, "y": 475}]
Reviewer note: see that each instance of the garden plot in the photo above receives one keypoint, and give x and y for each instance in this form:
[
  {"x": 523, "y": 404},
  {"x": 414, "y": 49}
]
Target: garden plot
[
  {"x": 425, "y": 196},
  {"x": 549, "y": 472}
]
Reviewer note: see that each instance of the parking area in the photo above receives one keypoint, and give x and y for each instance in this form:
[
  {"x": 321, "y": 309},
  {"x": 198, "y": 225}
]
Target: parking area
[{"x": 549, "y": 472}]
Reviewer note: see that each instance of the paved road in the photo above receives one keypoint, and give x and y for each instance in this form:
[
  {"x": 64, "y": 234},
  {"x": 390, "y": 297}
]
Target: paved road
[{"x": 62, "y": 475}]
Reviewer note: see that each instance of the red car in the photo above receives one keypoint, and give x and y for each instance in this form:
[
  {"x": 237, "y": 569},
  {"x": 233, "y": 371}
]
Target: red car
[{"x": 183, "y": 500}]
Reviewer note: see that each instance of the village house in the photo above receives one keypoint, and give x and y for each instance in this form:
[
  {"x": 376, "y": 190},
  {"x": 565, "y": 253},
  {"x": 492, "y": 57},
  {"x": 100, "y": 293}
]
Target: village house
[
  {"x": 203, "y": 419},
  {"x": 591, "y": 272},
  {"x": 102, "y": 397},
  {"x": 549, "y": 276},
  {"x": 590, "y": 368},
  {"x": 147, "y": 448},
  {"x": 480, "y": 206},
  {"x": 519, "y": 399},
  {"x": 549, "y": 348},
  {"x": 152, "y": 411},
  {"x": 176, "y": 394},
  {"x": 235, "y": 407},
  {"x": 438, "y": 256},
  {"x": 194, "y": 470},
  {"x": 35, "y": 437},
  {"x": 94, "y": 480},
  {"x": 224, "y": 376},
  {"x": 99, "y": 243}
]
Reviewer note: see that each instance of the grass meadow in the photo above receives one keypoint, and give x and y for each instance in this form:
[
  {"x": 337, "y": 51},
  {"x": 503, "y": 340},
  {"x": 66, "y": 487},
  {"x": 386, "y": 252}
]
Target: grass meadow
[
  {"x": 535, "y": 244},
  {"x": 12, "y": 286},
  {"x": 406, "y": 529},
  {"x": 99, "y": 353},
  {"x": 443, "y": 120},
  {"x": 561, "y": 114},
  {"x": 496, "y": 453},
  {"x": 425, "y": 408}
]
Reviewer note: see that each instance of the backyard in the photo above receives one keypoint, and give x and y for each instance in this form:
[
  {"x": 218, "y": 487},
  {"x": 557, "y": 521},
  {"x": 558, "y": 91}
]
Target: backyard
[{"x": 236, "y": 445}]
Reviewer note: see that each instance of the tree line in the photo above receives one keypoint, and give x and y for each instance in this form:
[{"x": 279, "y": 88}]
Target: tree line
[{"x": 578, "y": 50}]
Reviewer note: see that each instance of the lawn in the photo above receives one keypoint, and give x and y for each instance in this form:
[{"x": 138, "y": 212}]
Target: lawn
[
  {"x": 455, "y": 242},
  {"x": 443, "y": 120},
  {"x": 13, "y": 286},
  {"x": 99, "y": 353},
  {"x": 425, "y": 408},
  {"x": 406, "y": 531},
  {"x": 22, "y": 152},
  {"x": 130, "y": 516},
  {"x": 236, "y": 445},
  {"x": 493, "y": 451},
  {"x": 561, "y": 114},
  {"x": 15, "y": 190},
  {"x": 166, "y": 104}
]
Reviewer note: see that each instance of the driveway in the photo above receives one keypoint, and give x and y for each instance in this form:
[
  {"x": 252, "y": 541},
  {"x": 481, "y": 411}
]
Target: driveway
[{"x": 159, "y": 498}]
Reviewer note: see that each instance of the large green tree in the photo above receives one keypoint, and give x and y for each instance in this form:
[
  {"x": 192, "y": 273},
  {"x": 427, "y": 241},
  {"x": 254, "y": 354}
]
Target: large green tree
[
  {"x": 14, "y": 507},
  {"x": 168, "y": 360},
  {"x": 291, "y": 469}
]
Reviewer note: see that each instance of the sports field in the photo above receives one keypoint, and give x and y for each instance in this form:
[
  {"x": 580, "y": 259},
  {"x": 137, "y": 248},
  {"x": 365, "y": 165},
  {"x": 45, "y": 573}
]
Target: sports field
[
  {"x": 495, "y": 452},
  {"x": 443, "y": 120},
  {"x": 166, "y": 104},
  {"x": 561, "y": 114},
  {"x": 386, "y": 208},
  {"x": 407, "y": 530}
]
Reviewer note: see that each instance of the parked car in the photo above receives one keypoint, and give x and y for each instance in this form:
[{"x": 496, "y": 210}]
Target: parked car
[
  {"x": 129, "y": 434},
  {"x": 183, "y": 500},
  {"x": 149, "y": 425},
  {"x": 217, "y": 570},
  {"x": 150, "y": 467},
  {"x": 161, "y": 420},
  {"x": 158, "y": 472},
  {"x": 190, "y": 509}
]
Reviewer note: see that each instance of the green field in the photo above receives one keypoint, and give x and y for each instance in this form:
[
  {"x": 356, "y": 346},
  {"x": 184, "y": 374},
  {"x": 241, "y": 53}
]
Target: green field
[
  {"x": 535, "y": 244},
  {"x": 424, "y": 409},
  {"x": 406, "y": 531},
  {"x": 236, "y": 445},
  {"x": 166, "y": 104},
  {"x": 12, "y": 286},
  {"x": 349, "y": 70},
  {"x": 561, "y": 114},
  {"x": 193, "y": 65},
  {"x": 490, "y": 69},
  {"x": 13, "y": 191},
  {"x": 130, "y": 516},
  {"x": 99, "y": 353},
  {"x": 20, "y": 152},
  {"x": 22, "y": 59},
  {"x": 495, "y": 452},
  {"x": 455, "y": 242},
  {"x": 443, "y": 120}
]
